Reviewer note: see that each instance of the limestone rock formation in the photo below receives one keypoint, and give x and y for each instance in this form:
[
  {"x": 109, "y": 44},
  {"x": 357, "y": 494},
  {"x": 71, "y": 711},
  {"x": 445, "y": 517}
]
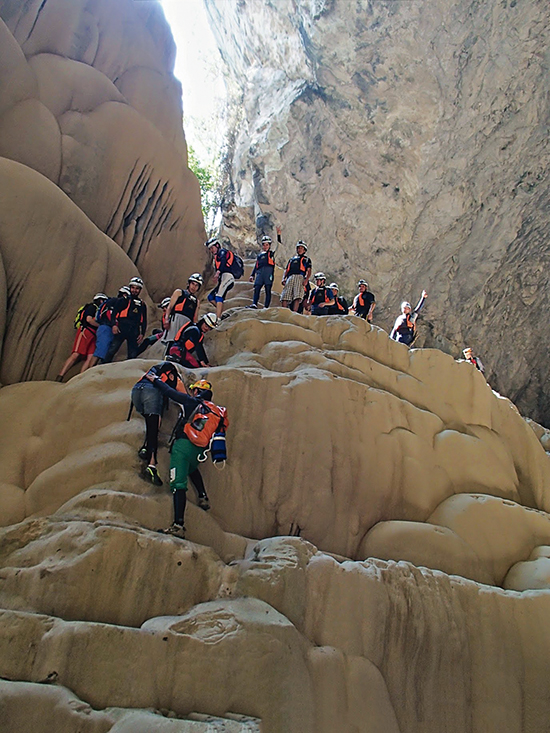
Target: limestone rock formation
[
  {"x": 359, "y": 569},
  {"x": 407, "y": 142},
  {"x": 88, "y": 102}
]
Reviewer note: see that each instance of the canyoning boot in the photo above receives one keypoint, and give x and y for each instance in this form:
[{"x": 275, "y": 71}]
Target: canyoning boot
[
  {"x": 203, "y": 503},
  {"x": 252, "y": 305},
  {"x": 150, "y": 474},
  {"x": 142, "y": 452},
  {"x": 176, "y": 530}
]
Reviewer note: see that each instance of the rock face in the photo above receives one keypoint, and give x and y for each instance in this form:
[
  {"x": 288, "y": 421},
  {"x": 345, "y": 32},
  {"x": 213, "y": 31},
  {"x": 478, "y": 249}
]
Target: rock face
[
  {"x": 407, "y": 143},
  {"x": 88, "y": 103},
  {"x": 358, "y": 571}
]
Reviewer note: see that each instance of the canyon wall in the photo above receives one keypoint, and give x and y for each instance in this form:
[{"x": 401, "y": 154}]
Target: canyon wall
[
  {"x": 93, "y": 165},
  {"x": 407, "y": 143}
]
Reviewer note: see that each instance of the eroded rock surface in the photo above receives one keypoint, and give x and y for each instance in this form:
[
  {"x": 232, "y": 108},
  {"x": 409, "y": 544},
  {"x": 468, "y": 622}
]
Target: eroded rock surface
[
  {"x": 407, "y": 143},
  {"x": 421, "y": 502},
  {"x": 88, "y": 102}
]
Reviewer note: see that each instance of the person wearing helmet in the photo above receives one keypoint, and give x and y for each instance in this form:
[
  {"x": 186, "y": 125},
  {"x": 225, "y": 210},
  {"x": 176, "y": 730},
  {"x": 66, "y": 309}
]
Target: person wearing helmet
[
  {"x": 188, "y": 349},
  {"x": 296, "y": 278},
  {"x": 149, "y": 402},
  {"x": 475, "y": 360},
  {"x": 184, "y": 454},
  {"x": 264, "y": 270},
  {"x": 85, "y": 339},
  {"x": 129, "y": 319},
  {"x": 183, "y": 307},
  {"x": 157, "y": 333},
  {"x": 364, "y": 302},
  {"x": 104, "y": 334},
  {"x": 321, "y": 298},
  {"x": 404, "y": 329},
  {"x": 340, "y": 307},
  {"x": 224, "y": 260}
]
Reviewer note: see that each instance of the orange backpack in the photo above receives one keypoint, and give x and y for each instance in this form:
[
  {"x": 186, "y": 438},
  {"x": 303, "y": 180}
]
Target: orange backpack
[{"x": 206, "y": 420}]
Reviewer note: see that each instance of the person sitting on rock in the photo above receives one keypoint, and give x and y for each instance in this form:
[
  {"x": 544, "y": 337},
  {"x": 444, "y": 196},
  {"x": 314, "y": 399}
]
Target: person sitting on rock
[
  {"x": 264, "y": 270},
  {"x": 404, "y": 329},
  {"x": 223, "y": 262},
  {"x": 322, "y": 298},
  {"x": 85, "y": 339},
  {"x": 104, "y": 334},
  {"x": 188, "y": 349},
  {"x": 475, "y": 360},
  {"x": 129, "y": 322},
  {"x": 184, "y": 453},
  {"x": 296, "y": 277},
  {"x": 157, "y": 333},
  {"x": 183, "y": 308},
  {"x": 149, "y": 402},
  {"x": 364, "y": 302},
  {"x": 340, "y": 307}
]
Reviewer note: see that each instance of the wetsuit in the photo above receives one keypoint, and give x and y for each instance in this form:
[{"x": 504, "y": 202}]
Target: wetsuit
[
  {"x": 340, "y": 307},
  {"x": 362, "y": 304},
  {"x": 321, "y": 295},
  {"x": 222, "y": 262},
  {"x": 130, "y": 316},
  {"x": 404, "y": 327},
  {"x": 187, "y": 348}
]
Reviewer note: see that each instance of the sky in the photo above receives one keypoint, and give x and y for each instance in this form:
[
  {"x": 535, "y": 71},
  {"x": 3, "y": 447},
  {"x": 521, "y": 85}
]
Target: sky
[{"x": 199, "y": 68}]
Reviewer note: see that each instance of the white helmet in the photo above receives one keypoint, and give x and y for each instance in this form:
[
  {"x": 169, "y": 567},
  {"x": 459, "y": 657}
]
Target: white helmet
[
  {"x": 265, "y": 239},
  {"x": 137, "y": 281},
  {"x": 211, "y": 320},
  {"x": 100, "y": 296},
  {"x": 334, "y": 286},
  {"x": 362, "y": 282},
  {"x": 405, "y": 304},
  {"x": 300, "y": 243},
  {"x": 125, "y": 290},
  {"x": 320, "y": 276},
  {"x": 213, "y": 242},
  {"x": 195, "y": 278},
  {"x": 164, "y": 303}
]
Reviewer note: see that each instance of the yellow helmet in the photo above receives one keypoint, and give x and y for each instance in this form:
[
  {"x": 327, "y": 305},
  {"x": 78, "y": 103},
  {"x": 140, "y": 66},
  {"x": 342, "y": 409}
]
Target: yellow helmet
[{"x": 201, "y": 384}]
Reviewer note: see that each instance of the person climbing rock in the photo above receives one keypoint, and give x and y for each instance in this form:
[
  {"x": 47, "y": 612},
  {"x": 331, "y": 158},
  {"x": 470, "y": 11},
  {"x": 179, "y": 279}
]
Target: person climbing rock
[
  {"x": 340, "y": 307},
  {"x": 200, "y": 418},
  {"x": 321, "y": 298},
  {"x": 475, "y": 360},
  {"x": 85, "y": 339},
  {"x": 364, "y": 302},
  {"x": 183, "y": 308},
  {"x": 157, "y": 333},
  {"x": 296, "y": 277},
  {"x": 104, "y": 334},
  {"x": 404, "y": 329},
  {"x": 149, "y": 402},
  {"x": 228, "y": 266},
  {"x": 129, "y": 319},
  {"x": 188, "y": 349},
  {"x": 264, "y": 270}
]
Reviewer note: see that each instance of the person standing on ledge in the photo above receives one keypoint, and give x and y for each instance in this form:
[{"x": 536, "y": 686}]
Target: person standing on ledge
[
  {"x": 404, "y": 329},
  {"x": 475, "y": 360},
  {"x": 85, "y": 339},
  {"x": 224, "y": 262},
  {"x": 183, "y": 308},
  {"x": 322, "y": 298},
  {"x": 264, "y": 269},
  {"x": 296, "y": 277},
  {"x": 364, "y": 302},
  {"x": 340, "y": 307},
  {"x": 129, "y": 319}
]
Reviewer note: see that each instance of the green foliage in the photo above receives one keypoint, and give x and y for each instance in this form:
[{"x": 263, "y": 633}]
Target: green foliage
[{"x": 207, "y": 176}]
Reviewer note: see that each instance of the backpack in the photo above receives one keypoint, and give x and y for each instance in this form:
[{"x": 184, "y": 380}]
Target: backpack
[
  {"x": 205, "y": 420},
  {"x": 78, "y": 322},
  {"x": 236, "y": 268}
]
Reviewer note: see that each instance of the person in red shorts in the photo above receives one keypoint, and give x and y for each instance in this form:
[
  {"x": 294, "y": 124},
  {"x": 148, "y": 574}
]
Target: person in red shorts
[{"x": 84, "y": 342}]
